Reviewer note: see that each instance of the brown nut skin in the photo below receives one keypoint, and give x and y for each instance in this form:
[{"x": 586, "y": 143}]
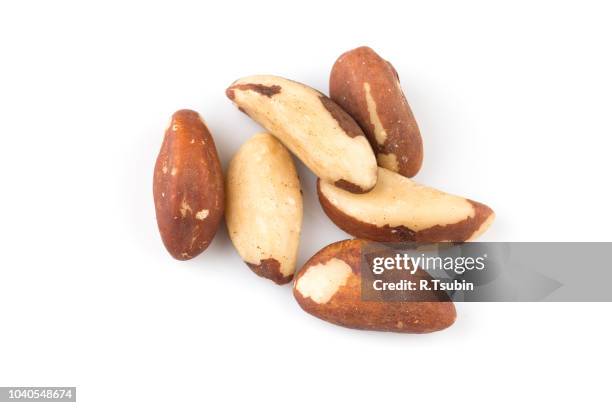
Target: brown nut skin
[
  {"x": 188, "y": 186},
  {"x": 329, "y": 287},
  {"x": 401, "y": 210},
  {"x": 367, "y": 87}
]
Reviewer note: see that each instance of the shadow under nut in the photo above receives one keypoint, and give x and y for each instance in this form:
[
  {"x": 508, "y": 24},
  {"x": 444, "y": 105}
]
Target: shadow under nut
[
  {"x": 188, "y": 186},
  {"x": 328, "y": 286},
  {"x": 367, "y": 87}
]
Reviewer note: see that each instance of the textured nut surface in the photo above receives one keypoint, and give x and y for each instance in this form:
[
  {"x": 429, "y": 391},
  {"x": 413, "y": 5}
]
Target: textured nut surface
[
  {"x": 312, "y": 126},
  {"x": 264, "y": 207},
  {"x": 399, "y": 209},
  {"x": 329, "y": 287},
  {"x": 188, "y": 186},
  {"x": 368, "y": 88}
]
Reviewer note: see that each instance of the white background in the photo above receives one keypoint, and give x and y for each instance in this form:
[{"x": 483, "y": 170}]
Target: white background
[{"x": 514, "y": 106}]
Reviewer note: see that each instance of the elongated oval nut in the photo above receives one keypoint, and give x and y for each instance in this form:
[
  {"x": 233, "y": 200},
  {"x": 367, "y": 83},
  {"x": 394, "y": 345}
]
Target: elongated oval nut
[
  {"x": 264, "y": 207},
  {"x": 329, "y": 287},
  {"x": 399, "y": 209},
  {"x": 368, "y": 88},
  {"x": 188, "y": 186},
  {"x": 312, "y": 126}
]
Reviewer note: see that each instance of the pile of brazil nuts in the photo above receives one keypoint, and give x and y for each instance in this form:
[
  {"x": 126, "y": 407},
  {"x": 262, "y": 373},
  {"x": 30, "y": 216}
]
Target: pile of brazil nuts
[{"x": 362, "y": 143}]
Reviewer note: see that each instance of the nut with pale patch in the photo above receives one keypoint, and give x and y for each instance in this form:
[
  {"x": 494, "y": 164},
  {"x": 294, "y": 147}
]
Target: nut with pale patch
[
  {"x": 328, "y": 286},
  {"x": 188, "y": 186},
  {"x": 399, "y": 210},
  {"x": 312, "y": 126},
  {"x": 368, "y": 88},
  {"x": 264, "y": 207}
]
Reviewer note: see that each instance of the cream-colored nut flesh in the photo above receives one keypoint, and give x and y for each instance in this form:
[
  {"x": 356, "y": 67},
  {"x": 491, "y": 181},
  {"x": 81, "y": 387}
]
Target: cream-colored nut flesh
[
  {"x": 388, "y": 161},
  {"x": 264, "y": 207},
  {"x": 379, "y": 130},
  {"x": 399, "y": 209},
  {"x": 312, "y": 126},
  {"x": 320, "y": 282}
]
